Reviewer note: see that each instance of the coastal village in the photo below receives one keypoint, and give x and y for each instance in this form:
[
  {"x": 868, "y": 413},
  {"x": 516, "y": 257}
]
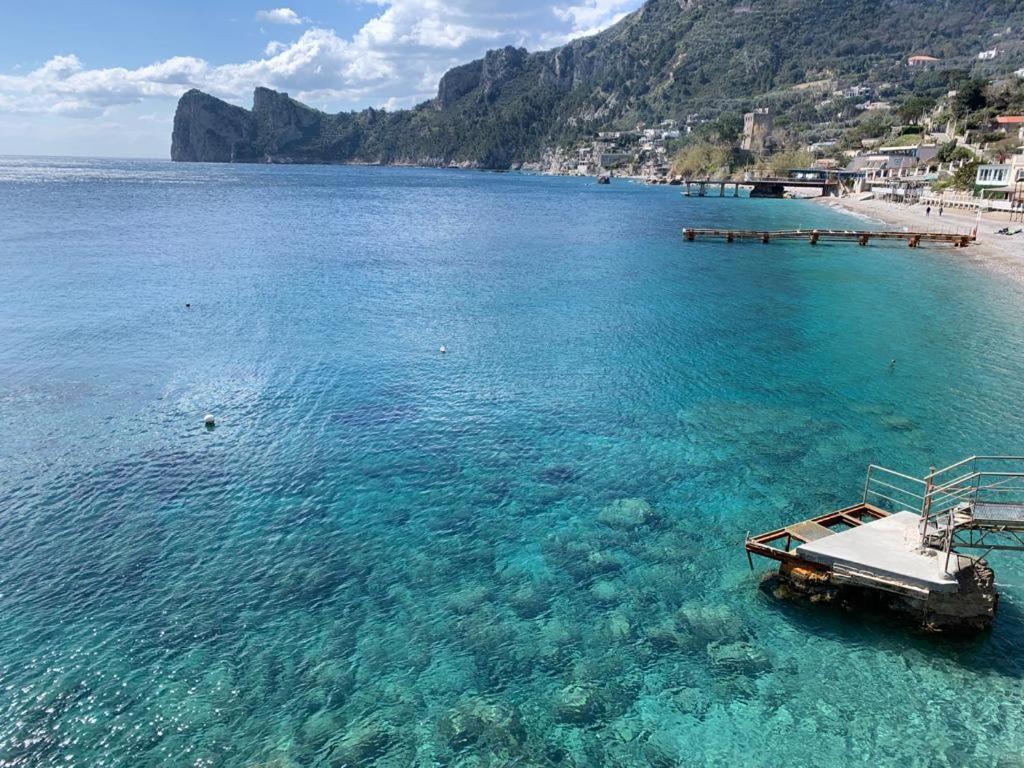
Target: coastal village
[{"x": 962, "y": 149}]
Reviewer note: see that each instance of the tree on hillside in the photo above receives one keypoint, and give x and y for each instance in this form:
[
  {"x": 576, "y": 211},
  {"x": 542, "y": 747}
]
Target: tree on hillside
[
  {"x": 702, "y": 159},
  {"x": 965, "y": 175},
  {"x": 914, "y": 108},
  {"x": 781, "y": 162},
  {"x": 951, "y": 152},
  {"x": 970, "y": 97},
  {"x": 727, "y": 128}
]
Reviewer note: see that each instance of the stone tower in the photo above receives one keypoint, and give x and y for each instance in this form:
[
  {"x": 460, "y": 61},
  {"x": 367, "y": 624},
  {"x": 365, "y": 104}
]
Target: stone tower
[{"x": 757, "y": 125}]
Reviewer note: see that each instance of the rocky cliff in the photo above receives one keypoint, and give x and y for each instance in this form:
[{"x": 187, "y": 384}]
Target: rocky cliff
[
  {"x": 211, "y": 130},
  {"x": 669, "y": 59}
]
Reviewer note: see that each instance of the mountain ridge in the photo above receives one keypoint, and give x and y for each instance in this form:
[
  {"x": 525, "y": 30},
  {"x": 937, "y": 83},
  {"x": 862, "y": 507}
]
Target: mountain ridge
[{"x": 668, "y": 59}]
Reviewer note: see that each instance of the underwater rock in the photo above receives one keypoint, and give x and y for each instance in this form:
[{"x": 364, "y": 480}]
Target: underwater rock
[
  {"x": 331, "y": 681},
  {"x": 605, "y": 591},
  {"x": 578, "y": 703},
  {"x": 627, "y": 514},
  {"x": 481, "y": 721},
  {"x": 662, "y": 585},
  {"x": 898, "y": 423},
  {"x": 693, "y": 701},
  {"x": 738, "y": 657},
  {"x": 584, "y": 562},
  {"x": 602, "y": 561},
  {"x": 556, "y": 754},
  {"x": 557, "y": 475},
  {"x": 319, "y": 728},
  {"x": 710, "y": 622},
  {"x": 555, "y": 642},
  {"x": 667, "y": 636},
  {"x": 469, "y": 599},
  {"x": 662, "y": 749},
  {"x": 364, "y": 743},
  {"x": 618, "y": 628},
  {"x": 528, "y": 602},
  {"x": 279, "y": 761}
]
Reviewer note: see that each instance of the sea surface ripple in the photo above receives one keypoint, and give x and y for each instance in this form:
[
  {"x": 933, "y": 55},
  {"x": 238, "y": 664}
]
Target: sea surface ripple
[{"x": 525, "y": 551}]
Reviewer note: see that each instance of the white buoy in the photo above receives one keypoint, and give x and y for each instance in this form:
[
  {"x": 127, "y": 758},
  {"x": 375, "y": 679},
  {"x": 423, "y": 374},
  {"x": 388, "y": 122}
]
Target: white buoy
[
  {"x": 442, "y": 350},
  {"x": 209, "y": 421}
]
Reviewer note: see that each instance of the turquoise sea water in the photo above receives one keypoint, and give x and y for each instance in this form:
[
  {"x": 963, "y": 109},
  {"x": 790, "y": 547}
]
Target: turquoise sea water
[{"x": 525, "y": 552}]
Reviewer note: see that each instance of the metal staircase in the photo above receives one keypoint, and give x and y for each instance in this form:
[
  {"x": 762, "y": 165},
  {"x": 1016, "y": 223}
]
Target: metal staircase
[{"x": 977, "y": 503}]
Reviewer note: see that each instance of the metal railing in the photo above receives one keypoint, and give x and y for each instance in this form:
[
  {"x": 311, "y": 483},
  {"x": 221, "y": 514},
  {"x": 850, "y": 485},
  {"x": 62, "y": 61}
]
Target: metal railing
[
  {"x": 893, "y": 491},
  {"x": 946, "y": 499}
]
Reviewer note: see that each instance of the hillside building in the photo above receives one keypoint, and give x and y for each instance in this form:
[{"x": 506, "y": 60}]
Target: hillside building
[
  {"x": 1011, "y": 124},
  {"x": 1002, "y": 181}
]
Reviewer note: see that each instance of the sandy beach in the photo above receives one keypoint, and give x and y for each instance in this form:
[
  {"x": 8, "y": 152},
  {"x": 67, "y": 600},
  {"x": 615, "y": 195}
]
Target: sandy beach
[{"x": 997, "y": 250}]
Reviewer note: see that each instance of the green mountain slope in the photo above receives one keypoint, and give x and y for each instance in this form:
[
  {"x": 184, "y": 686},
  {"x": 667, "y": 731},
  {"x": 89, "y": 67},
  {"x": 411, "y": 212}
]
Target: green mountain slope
[{"x": 669, "y": 59}]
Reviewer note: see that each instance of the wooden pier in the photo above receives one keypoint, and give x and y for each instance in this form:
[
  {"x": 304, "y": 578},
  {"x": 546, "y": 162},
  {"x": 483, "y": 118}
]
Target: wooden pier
[
  {"x": 765, "y": 187},
  {"x": 703, "y": 186},
  {"x": 815, "y": 236},
  {"x": 781, "y": 544}
]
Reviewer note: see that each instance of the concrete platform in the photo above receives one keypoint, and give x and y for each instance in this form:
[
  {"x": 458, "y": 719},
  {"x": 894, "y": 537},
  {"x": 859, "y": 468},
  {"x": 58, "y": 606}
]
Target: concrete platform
[{"x": 887, "y": 549}]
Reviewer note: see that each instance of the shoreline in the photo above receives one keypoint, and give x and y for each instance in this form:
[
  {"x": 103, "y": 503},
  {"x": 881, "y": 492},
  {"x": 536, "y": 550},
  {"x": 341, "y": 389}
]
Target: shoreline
[{"x": 1004, "y": 251}]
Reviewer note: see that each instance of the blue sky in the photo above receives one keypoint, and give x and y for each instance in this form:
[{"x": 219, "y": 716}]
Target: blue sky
[{"x": 103, "y": 79}]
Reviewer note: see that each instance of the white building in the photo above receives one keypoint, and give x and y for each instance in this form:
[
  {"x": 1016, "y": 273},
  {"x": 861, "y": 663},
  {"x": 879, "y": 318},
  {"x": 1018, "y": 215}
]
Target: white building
[
  {"x": 988, "y": 55},
  {"x": 992, "y": 175},
  {"x": 1002, "y": 180}
]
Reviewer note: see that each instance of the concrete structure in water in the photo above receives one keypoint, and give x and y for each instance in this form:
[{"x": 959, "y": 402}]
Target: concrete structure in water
[{"x": 902, "y": 547}]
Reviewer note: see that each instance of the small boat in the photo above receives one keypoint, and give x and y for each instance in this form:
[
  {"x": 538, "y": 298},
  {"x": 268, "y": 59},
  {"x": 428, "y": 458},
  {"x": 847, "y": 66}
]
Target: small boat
[{"x": 604, "y": 178}]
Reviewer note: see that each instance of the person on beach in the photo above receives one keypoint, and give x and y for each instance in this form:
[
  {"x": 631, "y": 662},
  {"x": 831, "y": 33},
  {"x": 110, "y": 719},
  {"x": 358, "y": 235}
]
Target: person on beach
[
  {"x": 940, "y": 210},
  {"x": 928, "y": 211}
]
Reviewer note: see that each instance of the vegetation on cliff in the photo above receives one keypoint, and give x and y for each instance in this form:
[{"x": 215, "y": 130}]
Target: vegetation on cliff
[{"x": 671, "y": 59}]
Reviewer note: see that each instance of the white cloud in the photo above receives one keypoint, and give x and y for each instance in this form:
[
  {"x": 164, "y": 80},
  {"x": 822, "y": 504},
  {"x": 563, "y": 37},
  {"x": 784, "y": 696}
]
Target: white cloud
[
  {"x": 280, "y": 16},
  {"x": 395, "y": 59},
  {"x": 593, "y": 14}
]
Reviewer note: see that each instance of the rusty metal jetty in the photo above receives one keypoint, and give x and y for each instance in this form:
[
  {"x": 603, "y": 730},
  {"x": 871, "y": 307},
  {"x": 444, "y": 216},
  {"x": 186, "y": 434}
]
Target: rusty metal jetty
[
  {"x": 815, "y": 236},
  {"x": 905, "y": 540}
]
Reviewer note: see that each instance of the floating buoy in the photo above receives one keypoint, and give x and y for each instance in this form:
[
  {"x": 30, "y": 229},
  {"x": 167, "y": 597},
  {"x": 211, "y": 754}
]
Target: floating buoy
[
  {"x": 188, "y": 306},
  {"x": 209, "y": 421},
  {"x": 442, "y": 350}
]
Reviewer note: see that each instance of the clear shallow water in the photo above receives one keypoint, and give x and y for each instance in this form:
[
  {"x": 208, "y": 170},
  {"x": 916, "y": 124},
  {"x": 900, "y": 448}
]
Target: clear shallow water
[{"x": 524, "y": 552}]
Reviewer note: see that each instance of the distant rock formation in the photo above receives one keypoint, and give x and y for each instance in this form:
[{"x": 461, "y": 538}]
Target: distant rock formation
[
  {"x": 671, "y": 59},
  {"x": 210, "y": 130}
]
